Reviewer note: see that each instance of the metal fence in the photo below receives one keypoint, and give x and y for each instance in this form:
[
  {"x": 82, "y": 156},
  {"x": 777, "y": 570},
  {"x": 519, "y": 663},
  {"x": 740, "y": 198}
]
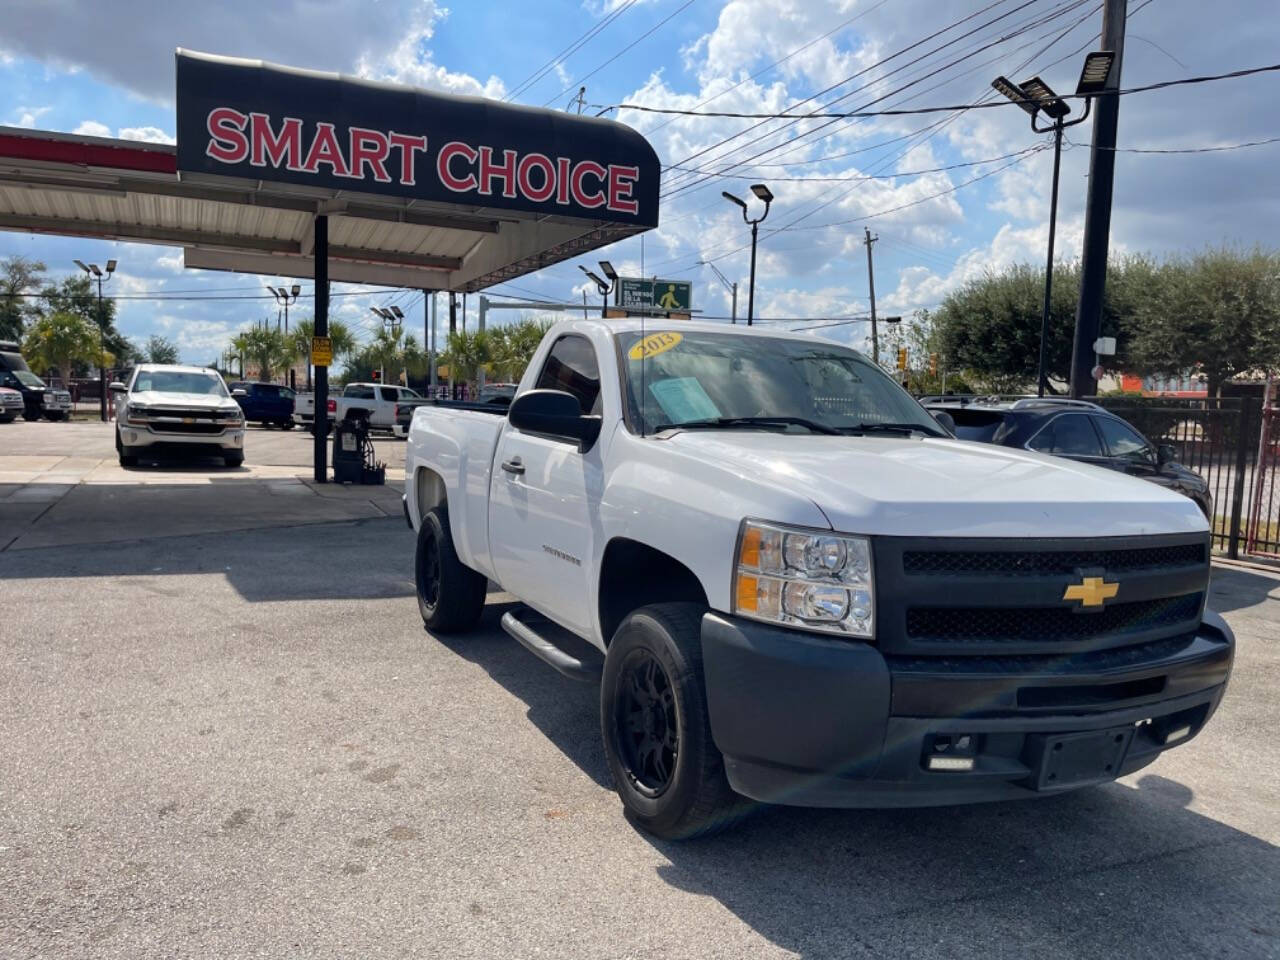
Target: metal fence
[{"x": 1233, "y": 443}]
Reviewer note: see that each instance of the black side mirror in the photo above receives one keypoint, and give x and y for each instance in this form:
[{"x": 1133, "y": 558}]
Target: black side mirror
[
  {"x": 1165, "y": 453},
  {"x": 945, "y": 420},
  {"x": 556, "y": 414}
]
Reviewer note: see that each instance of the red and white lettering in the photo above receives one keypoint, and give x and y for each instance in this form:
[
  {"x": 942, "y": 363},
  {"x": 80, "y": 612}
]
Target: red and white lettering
[
  {"x": 369, "y": 147},
  {"x": 325, "y": 149},
  {"x": 621, "y": 180},
  {"x": 528, "y": 164},
  {"x": 580, "y": 195},
  {"x": 506, "y": 171},
  {"x": 226, "y": 132},
  {"x": 443, "y": 170},
  {"x": 408, "y": 147},
  {"x": 268, "y": 149},
  {"x": 562, "y": 180}
]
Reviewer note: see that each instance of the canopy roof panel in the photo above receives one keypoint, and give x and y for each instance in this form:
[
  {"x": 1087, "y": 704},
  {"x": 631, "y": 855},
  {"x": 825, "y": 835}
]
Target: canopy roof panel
[{"x": 421, "y": 189}]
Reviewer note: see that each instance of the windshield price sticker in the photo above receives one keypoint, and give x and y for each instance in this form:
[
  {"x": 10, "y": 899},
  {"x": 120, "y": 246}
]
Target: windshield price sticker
[{"x": 654, "y": 344}]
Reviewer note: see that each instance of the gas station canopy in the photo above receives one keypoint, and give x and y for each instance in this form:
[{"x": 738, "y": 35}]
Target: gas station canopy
[{"x": 419, "y": 189}]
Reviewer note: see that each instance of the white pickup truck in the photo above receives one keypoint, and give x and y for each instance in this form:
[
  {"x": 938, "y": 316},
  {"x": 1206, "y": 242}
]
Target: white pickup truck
[
  {"x": 793, "y": 585},
  {"x": 378, "y": 400}
]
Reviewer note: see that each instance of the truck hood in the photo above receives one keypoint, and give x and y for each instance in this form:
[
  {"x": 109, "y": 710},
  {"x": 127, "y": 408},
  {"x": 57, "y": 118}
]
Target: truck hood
[
  {"x": 941, "y": 487},
  {"x": 189, "y": 401}
]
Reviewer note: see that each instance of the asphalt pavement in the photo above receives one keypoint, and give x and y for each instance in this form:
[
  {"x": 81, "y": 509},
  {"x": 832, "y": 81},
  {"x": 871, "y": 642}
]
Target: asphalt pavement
[{"x": 241, "y": 743}]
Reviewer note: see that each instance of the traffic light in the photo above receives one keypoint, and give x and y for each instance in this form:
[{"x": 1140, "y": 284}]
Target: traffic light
[
  {"x": 933, "y": 364},
  {"x": 902, "y": 358},
  {"x": 377, "y": 376}
]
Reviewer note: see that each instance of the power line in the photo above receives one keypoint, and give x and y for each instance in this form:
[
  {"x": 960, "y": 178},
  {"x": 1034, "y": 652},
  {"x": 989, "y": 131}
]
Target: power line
[
  {"x": 637, "y": 40},
  {"x": 777, "y": 63},
  {"x": 970, "y": 53},
  {"x": 1185, "y": 150},
  {"x": 568, "y": 51},
  {"x": 881, "y": 176},
  {"x": 916, "y": 111},
  {"x": 677, "y": 188}
]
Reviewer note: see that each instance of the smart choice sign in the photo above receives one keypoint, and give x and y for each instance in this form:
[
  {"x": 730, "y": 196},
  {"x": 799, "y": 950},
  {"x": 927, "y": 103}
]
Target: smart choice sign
[{"x": 263, "y": 122}]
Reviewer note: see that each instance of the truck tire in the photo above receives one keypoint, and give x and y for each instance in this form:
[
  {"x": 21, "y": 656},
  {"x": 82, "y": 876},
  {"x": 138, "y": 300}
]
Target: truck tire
[
  {"x": 656, "y": 727},
  {"x": 233, "y": 460},
  {"x": 450, "y": 594},
  {"x": 127, "y": 459}
]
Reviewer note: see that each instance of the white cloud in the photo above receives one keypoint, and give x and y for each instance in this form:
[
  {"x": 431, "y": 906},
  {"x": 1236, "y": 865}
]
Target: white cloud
[
  {"x": 146, "y": 135},
  {"x": 92, "y": 128},
  {"x": 408, "y": 60},
  {"x": 29, "y": 116}
]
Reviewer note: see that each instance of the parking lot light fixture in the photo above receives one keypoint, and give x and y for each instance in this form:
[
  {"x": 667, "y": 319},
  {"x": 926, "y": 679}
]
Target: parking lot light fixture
[
  {"x": 1054, "y": 107},
  {"x": 762, "y": 193},
  {"x": 1015, "y": 94},
  {"x": 95, "y": 273},
  {"x": 601, "y": 285},
  {"x": 1036, "y": 97},
  {"x": 609, "y": 272},
  {"x": 1097, "y": 68}
]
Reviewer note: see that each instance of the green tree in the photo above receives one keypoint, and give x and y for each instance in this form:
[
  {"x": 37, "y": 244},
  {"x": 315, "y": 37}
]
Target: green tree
[
  {"x": 19, "y": 276},
  {"x": 268, "y": 349},
  {"x": 466, "y": 354},
  {"x": 340, "y": 337},
  {"x": 160, "y": 350},
  {"x": 990, "y": 327},
  {"x": 1217, "y": 312},
  {"x": 513, "y": 346},
  {"x": 61, "y": 341}
]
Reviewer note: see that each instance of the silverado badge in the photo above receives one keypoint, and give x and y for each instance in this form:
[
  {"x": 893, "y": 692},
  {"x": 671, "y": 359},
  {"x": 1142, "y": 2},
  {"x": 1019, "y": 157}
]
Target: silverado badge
[{"x": 1091, "y": 591}]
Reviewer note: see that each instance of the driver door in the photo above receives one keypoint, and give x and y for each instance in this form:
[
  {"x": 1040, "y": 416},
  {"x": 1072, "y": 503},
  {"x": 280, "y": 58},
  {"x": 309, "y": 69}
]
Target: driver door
[{"x": 543, "y": 498}]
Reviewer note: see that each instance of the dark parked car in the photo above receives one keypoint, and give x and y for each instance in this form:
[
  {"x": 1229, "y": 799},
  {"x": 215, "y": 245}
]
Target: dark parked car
[
  {"x": 265, "y": 402},
  {"x": 1077, "y": 430},
  {"x": 39, "y": 400}
]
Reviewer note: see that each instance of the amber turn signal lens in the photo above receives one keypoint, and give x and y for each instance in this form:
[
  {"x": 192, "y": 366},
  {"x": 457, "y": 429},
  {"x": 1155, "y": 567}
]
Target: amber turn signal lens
[
  {"x": 749, "y": 555},
  {"x": 748, "y": 592}
]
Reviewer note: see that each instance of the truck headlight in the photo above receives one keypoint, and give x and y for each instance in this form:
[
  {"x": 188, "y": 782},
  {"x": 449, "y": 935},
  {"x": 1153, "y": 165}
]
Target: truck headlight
[{"x": 805, "y": 578}]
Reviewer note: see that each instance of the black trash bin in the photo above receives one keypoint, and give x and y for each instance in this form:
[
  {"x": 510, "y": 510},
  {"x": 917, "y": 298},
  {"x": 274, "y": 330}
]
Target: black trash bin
[{"x": 353, "y": 460}]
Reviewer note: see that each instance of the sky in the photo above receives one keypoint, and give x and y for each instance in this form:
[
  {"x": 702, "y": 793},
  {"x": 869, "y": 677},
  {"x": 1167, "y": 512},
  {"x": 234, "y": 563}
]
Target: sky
[{"x": 949, "y": 195}]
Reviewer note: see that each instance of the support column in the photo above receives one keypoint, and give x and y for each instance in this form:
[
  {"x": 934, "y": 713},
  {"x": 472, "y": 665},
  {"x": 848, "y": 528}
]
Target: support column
[{"x": 321, "y": 256}]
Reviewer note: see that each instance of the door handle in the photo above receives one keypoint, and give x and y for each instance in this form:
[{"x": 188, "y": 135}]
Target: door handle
[{"x": 513, "y": 466}]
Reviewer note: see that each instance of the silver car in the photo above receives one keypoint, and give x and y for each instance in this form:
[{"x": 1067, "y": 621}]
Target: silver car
[{"x": 173, "y": 409}]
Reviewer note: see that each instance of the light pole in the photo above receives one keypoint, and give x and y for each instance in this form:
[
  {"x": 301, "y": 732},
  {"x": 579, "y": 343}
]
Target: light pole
[
  {"x": 284, "y": 298},
  {"x": 731, "y": 287},
  {"x": 762, "y": 192},
  {"x": 391, "y": 320},
  {"x": 95, "y": 273},
  {"x": 1034, "y": 96},
  {"x": 605, "y": 287}
]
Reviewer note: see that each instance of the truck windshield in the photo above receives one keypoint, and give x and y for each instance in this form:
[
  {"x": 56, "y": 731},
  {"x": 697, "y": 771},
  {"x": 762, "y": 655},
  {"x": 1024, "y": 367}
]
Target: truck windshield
[
  {"x": 179, "y": 381},
  {"x": 731, "y": 380}
]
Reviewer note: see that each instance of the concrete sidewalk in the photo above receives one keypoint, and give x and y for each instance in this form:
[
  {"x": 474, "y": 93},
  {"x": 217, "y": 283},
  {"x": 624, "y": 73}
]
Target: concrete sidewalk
[{"x": 58, "y": 489}]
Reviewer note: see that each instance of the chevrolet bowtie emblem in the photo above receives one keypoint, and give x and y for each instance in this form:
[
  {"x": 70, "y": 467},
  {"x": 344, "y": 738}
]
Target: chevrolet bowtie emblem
[{"x": 1091, "y": 591}]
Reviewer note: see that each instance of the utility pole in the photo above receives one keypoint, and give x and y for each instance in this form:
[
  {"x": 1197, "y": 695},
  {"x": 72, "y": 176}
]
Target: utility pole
[
  {"x": 871, "y": 281},
  {"x": 429, "y": 335},
  {"x": 1097, "y": 211},
  {"x": 580, "y": 100}
]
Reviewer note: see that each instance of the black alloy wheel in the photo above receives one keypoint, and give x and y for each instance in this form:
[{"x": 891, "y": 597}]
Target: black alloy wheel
[{"x": 648, "y": 729}]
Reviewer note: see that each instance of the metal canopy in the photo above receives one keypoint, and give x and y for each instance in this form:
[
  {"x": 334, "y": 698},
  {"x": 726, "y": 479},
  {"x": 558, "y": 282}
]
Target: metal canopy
[{"x": 264, "y": 150}]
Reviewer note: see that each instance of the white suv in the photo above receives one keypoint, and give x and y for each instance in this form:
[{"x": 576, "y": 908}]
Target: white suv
[{"x": 168, "y": 408}]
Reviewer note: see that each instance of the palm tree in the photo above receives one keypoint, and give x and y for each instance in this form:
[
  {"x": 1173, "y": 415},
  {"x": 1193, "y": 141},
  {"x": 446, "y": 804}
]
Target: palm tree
[
  {"x": 466, "y": 353},
  {"x": 340, "y": 338},
  {"x": 240, "y": 347},
  {"x": 514, "y": 346},
  {"x": 269, "y": 349}
]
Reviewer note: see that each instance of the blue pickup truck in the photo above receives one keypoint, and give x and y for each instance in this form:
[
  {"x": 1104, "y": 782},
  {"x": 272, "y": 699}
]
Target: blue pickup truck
[{"x": 265, "y": 403}]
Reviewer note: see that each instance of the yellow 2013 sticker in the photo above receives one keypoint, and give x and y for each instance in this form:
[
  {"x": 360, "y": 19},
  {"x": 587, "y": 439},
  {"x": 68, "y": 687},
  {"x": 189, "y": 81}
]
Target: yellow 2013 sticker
[{"x": 654, "y": 344}]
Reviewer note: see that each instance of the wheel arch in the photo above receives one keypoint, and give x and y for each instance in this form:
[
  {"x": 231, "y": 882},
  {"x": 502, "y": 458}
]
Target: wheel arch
[
  {"x": 428, "y": 491},
  {"x": 634, "y": 575}
]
